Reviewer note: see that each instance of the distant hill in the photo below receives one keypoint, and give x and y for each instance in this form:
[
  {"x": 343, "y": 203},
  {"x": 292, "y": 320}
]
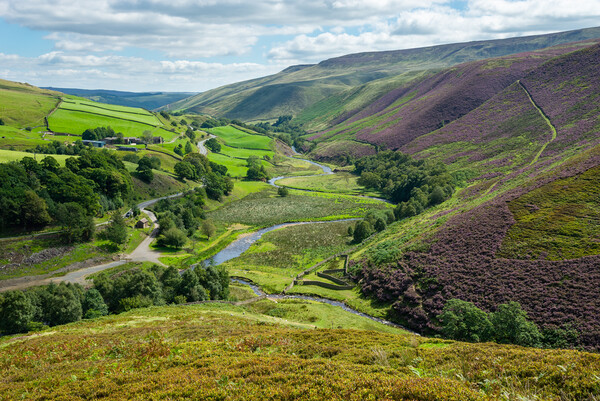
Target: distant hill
[
  {"x": 407, "y": 112},
  {"x": 318, "y": 94},
  {"x": 146, "y": 100}
]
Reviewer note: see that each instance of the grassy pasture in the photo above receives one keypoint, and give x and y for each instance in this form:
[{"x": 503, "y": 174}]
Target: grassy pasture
[
  {"x": 22, "y": 109},
  {"x": 110, "y": 110},
  {"x": 343, "y": 183},
  {"x": 10, "y": 156},
  {"x": 245, "y": 153},
  {"x": 267, "y": 208},
  {"x": 19, "y": 139},
  {"x": 75, "y": 117},
  {"x": 236, "y": 138}
]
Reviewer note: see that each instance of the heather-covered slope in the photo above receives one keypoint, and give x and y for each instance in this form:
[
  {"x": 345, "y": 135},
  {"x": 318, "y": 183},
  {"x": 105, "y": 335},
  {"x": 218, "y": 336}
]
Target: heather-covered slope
[
  {"x": 524, "y": 225},
  {"x": 410, "y": 111},
  {"x": 300, "y": 88}
]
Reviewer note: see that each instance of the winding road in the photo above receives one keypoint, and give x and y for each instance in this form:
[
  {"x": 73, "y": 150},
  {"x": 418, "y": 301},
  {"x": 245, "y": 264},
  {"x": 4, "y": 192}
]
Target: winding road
[{"x": 143, "y": 253}]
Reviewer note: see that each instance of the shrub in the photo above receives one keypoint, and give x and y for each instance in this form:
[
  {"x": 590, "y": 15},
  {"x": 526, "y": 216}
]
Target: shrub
[
  {"x": 283, "y": 191},
  {"x": 464, "y": 321}
]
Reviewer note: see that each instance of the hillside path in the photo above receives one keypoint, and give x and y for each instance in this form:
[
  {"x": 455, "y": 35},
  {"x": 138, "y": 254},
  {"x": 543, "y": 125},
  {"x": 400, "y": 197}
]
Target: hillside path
[{"x": 545, "y": 117}]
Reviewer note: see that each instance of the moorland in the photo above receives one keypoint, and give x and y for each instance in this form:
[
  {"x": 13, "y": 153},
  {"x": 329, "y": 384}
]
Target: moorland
[{"x": 425, "y": 234}]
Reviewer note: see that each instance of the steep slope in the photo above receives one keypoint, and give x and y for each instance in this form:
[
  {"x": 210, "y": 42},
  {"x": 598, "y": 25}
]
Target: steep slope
[
  {"x": 406, "y": 113},
  {"x": 280, "y": 93},
  {"x": 523, "y": 227}
]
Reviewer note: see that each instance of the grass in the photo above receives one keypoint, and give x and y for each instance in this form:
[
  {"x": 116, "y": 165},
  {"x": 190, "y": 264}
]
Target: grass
[
  {"x": 236, "y": 138},
  {"x": 24, "y": 108},
  {"x": 221, "y": 351},
  {"x": 245, "y": 153},
  {"x": 43, "y": 255},
  {"x": 11, "y": 156},
  {"x": 274, "y": 260},
  {"x": 560, "y": 220},
  {"x": 343, "y": 183},
  {"x": 265, "y": 208}
]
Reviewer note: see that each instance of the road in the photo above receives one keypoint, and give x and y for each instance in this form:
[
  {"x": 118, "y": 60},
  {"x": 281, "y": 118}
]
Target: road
[
  {"x": 143, "y": 253},
  {"x": 201, "y": 148}
]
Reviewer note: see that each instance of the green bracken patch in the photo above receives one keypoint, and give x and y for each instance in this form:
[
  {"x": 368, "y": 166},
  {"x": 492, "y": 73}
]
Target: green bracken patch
[{"x": 560, "y": 220}]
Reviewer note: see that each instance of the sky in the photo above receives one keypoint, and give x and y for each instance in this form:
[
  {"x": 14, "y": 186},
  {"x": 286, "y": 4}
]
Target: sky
[{"x": 196, "y": 45}]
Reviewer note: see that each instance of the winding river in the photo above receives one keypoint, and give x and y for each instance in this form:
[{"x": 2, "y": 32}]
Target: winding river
[{"x": 242, "y": 244}]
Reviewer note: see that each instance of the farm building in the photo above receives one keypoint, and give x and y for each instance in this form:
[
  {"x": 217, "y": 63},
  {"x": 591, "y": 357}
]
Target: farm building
[
  {"x": 96, "y": 144},
  {"x": 142, "y": 223},
  {"x": 127, "y": 148},
  {"x": 157, "y": 140}
]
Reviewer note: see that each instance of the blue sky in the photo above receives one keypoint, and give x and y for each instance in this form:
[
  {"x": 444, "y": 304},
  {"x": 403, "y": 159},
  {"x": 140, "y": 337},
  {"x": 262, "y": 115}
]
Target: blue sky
[{"x": 195, "y": 45}]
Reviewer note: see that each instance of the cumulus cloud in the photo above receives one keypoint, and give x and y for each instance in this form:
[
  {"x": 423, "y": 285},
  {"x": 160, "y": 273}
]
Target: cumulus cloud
[{"x": 190, "y": 36}]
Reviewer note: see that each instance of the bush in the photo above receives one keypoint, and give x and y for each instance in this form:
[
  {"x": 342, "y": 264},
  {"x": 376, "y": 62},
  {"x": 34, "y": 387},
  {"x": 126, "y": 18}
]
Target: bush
[
  {"x": 512, "y": 327},
  {"x": 173, "y": 238},
  {"x": 464, "y": 321},
  {"x": 16, "y": 312},
  {"x": 362, "y": 231},
  {"x": 283, "y": 191}
]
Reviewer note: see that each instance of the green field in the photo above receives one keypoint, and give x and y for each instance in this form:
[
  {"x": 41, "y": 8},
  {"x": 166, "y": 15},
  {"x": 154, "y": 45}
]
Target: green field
[
  {"x": 11, "y": 156},
  {"x": 344, "y": 183},
  {"x": 267, "y": 208},
  {"x": 111, "y": 110},
  {"x": 236, "y": 138},
  {"x": 245, "y": 153},
  {"x": 23, "y": 109}
]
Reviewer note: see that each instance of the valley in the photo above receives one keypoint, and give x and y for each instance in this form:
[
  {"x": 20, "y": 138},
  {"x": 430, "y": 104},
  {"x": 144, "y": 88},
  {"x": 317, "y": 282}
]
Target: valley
[{"x": 418, "y": 225}]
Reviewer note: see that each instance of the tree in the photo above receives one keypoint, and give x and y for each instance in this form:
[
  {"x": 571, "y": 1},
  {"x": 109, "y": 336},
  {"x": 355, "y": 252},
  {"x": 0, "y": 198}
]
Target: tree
[
  {"x": 188, "y": 147},
  {"x": 16, "y": 312},
  {"x": 190, "y": 287},
  {"x": 362, "y": 231},
  {"x": 213, "y": 145},
  {"x": 116, "y": 231},
  {"x": 173, "y": 238},
  {"x": 147, "y": 137},
  {"x": 93, "y": 304},
  {"x": 185, "y": 170},
  {"x": 1, "y": 121},
  {"x": 464, "y": 321},
  {"x": 208, "y": 228},
  {"x": 380, "y": 224},
  {"x": 350, "y": 231},
  {"x": 512, "y": 327},
  {"x": 75, "y": 223},
  {"x": 437, "y": 195},
  {"x": 61, "y": 304},
  {"x": 34, "y": 210},
  {"x": 282, "y": 191}
]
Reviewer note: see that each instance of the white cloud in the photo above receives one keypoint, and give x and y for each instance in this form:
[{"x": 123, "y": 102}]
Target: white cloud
[{"x": 91, "y": 36}]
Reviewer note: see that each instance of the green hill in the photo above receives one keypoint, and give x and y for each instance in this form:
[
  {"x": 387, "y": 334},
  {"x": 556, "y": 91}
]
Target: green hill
[{"x": 297, "y": 90}]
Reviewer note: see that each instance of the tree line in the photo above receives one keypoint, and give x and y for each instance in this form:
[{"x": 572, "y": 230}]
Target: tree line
[
  {"x": 197, "y": 167},
  {"x": 35, "y": 194},
  {"x": 23, "y": 311},
  {"x": 413, "y": 184}
]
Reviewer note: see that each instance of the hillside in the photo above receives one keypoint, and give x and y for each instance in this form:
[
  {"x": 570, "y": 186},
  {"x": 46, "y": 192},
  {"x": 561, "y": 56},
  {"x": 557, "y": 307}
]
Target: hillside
[
  {"x": 275, "y": 351},
  {"x": 146, "y": 100},
  {"x": 522, "y": 227},
  {"x": 408, "y": 112},
  {"x": 301, "y": 88}
]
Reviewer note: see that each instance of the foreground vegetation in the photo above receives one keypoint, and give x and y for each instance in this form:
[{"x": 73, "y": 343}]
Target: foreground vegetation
[{"x": 220, "y": 351}]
